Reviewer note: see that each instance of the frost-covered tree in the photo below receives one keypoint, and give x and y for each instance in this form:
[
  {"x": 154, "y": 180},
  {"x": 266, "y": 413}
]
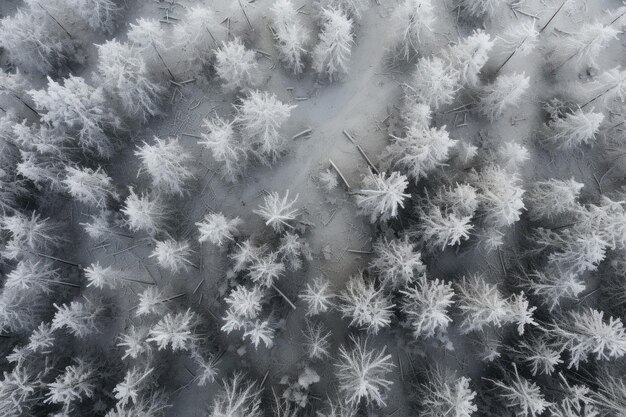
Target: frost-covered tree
[
  {"x": 481, "y": 304},
  {"x": 609, "y": 86},
  {"x": 585, "y": 332},
  {"x": 411, "y": 21},
  {"x": 367, "y": 307},
  {"x": 292, "y": 250},
  {"x": 78, "y": 317},
  {"x": 173, "y": 255},
  {"x": 470, "y": 55},
  {"x": 99, "y": 14},
  {"x": 261, "y": 116},
  {"x": 541, "y": 356},
  {"x": 167, "y": 164},
  {"x": 316, "y": 340},
  {"x": 396, "y": 262},
  {"x": 506, "y": 92},
  {"x": 101, "y": 277},
  {"x": 225, "y": 146},
  {"x": 260, "y": 331},
  {"x": 218, "y": 229},
  {"x": 520, "y": 312},
  {"x": 244, "y": 254},
  {"x": 123, "y": 73},
  {"x": 129, "y": 390},
  {"x": 426, "y": 305},
  {"x": 575, "y": 129},
  {"x": 32, "y": 276},
  {"x": 246, "y": 302},
  {"x": 13, "y": 84},
  {"x": 434, "y": 82},
  {"x": 81, "y": 110},
  {"x": 318, "y": 296},
  {"x": 30, "y": 233},
  {"x": 352, "y": 8},
  {"x": 151, "y": 302},
  {"x": 175, "y": 329},
  {"x": 447, "y": 396},
  {"x": 332, "y": 53},
  {"x": 148, "y": 37},
  {"x": 479, "y": 8},
  {"x": 266, "y": 269},
  {"x": 362, "y": 373},
  {"x": 382, "y": 195},
  {"x": 525, "y": 396},
  {"x": 278, "y": 212},
  {"x": 519, "y": 39},
  {"x": 197, "y": 37},
  {"x": 553, "y": 285},
  {"x": 20, "y": 390},
  {"x": 511, "y": 156},
  {"x": 421, "y": 150},
  {"x": 237, "y": 66},
  {"x": 585, "y": 44},
  {"x": 238, "y": 397},
  {"x": 439, "y": 229},
  {"x": 74, "y": 384},
  {"x": 145, "y": 212},
  {"x": 94, "y": 188},
  {"x": 499, "y": 196},
  {"x": 133, "y": 342},
  {"x": 290, "y": 34},
  {"x": 33, "y": 41},
  {"x": 552, "y": 198},
  {"x": 45, "y": 173}
]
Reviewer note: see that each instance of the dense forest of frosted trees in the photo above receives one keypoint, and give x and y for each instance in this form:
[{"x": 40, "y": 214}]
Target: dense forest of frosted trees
[{"x": 86, "y": 176}]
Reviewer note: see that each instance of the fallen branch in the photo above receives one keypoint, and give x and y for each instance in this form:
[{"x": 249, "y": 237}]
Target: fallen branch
[
  {"x": 345, "y": 132},
  {"x": 284, "y": 296},
  {"x": 304, "y": 132},
  {"x": 340, "y": 174}
]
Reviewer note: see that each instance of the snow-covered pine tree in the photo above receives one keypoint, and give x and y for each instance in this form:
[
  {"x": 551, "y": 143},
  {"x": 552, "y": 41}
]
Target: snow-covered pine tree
[
  {"x": 470, "y": 55},
  {"x": 367, "y": 307},
  {"x": 34, "y": 42},
  {"x": 434, "y": 82},
  {"x": 245, "y": 302},
  {"x": 218, "y": 229},
  {"x": 552, "y": 198},
  {"x": 173, "y": 255},
  {"x": 197, "y": 37},
  {"x": 438, "y": 228},
  {"x": 278, "y": 212},
  {"x": 238, "y": 397},
  {"x": 166, "y": 161},
  {"x": 266, "y": 269},
  {"x": 32, "y": 276},
  {"x": 237, "y": 66},
  {"x": 479, "y": 8},
  {"x": 352, "y": 8},
  {"x": 396, "y": 262},
  {"x": 499, "y": 196},
  {"x": 520, "y": 39},
  {"x": 123, "y": 73},
  {"x": 553, "y": 285},
  {"x": 99, "y": 14},
  {"x": 541, "y": 356},
  {"x": 446, "y": 395},
  {"x": 148, "y": 38},
  {"x": 293, "y": 250},
  {"x": 318, "y": 296},
  {"x": 525, "y": 396},
  {"x": 73, "y": 385},
  {"x": 261, "y": 116},
  {"x": 584, "y": 45},
  {"x": 225, "y": 146},
  {"x": 504, "y": 93},
  {"x": 81, "y": 110},
  {"x": 129, "y": 390},
  {"x": 177, "y": 330},
  {"x": 78, "y": 317},
  {"x": 511, "y": 156},
  {"x": 260, "y": 331},
  {"x": 426, "y": 306},
  {"x": 290, "y": 34},
  {"x": 43, "y": 172},
  {"x": 421, "y": 150},
  {"x": 332, "y": 53},
  {"x": 382, "y": 195},
  {"x": 94, "y": 188},
  {"x": 316, "y": 340},
  {"x": 362, "y": 373},
  {"x": 574, "y": 129},
  {"x": 609, "y": 86},
  {"x": 481, "y": 304},
  {"x": 145, "y": 212},
  {"x": 30, "y": 233},
  {"x": 412, "y": 21}
]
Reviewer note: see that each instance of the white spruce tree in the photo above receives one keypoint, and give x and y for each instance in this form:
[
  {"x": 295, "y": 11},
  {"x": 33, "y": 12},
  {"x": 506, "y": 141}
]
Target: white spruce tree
[
  {"x": 73, "y": 385},
  {"x": 218, "y": 229},
  {"x": 584, "y": 45},
  {"x": 412, "y": 21},
  {"x": 123, "y": 73},
  {"x": 290, "y": 34},
  {"x": 148, "y": 37},
  {"x": 552, "y": 198},
  {"x": 421, "y": 150},
  {"x": 30, "y": 233},
  {"x": 44, "y": 173},
  {"x": 318, "y": 296},
  {"x": 511, "y": 156},
  {"x": 293, "y": 250},
  {"x": 260, "y": 331},
  {"x": 261, "y": 116},
  {"x": 226, "y": 147},
  {"x": 245, "y": 302},
  {"x": 173, "y": 255},
  {"x": 520, "y": 39},
  {"x": 439, "y": 229},
  {"x": 352, "y": 8},
  {"x": 166, "y": 161},
  {"x": 94, "y": 188},
  {"x": 332, "y": 53},
  {"x": 505, "y": 93},
  {"x": 525, "y": 396},
  {"x": 575, "y": 129},
  {"x": 396, "y": 262},
  {"x": 481, "y": 304},
  {"x": 266, "y": 269},
  {"x": 175, "y": 330},
  {"x": 541, "y": 356},
  {"x": 100, "y": 15},
  {"x": 553, "y": 285},
  {"x": 608, "y": 87},
  {"x": 366, "y": 307},
  {"x": 80, "y": 109},
  {"x": 316, "y": 340},
  {"x": 499, "y": 196},
  {"x": 237, "y": 397},
  {"x": 135, "y": 381},
  {"x": 145, "y": 212},
  {"x": 237, "y": 66},
  {"x": 277, "y": 212},
  {"x": 382, "y": 195},
  {"x": 29, "y": 275},
  {"x": 446, "y": 395},
  {"x": 78, "y": 317},
  {"x": 434, "y": 82},
  {"x": 470, "y": 55},
  {"x": 479, "y": 8},
  {"x": 426, "y": 305},
  {"x": 362, "y": 373}
]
